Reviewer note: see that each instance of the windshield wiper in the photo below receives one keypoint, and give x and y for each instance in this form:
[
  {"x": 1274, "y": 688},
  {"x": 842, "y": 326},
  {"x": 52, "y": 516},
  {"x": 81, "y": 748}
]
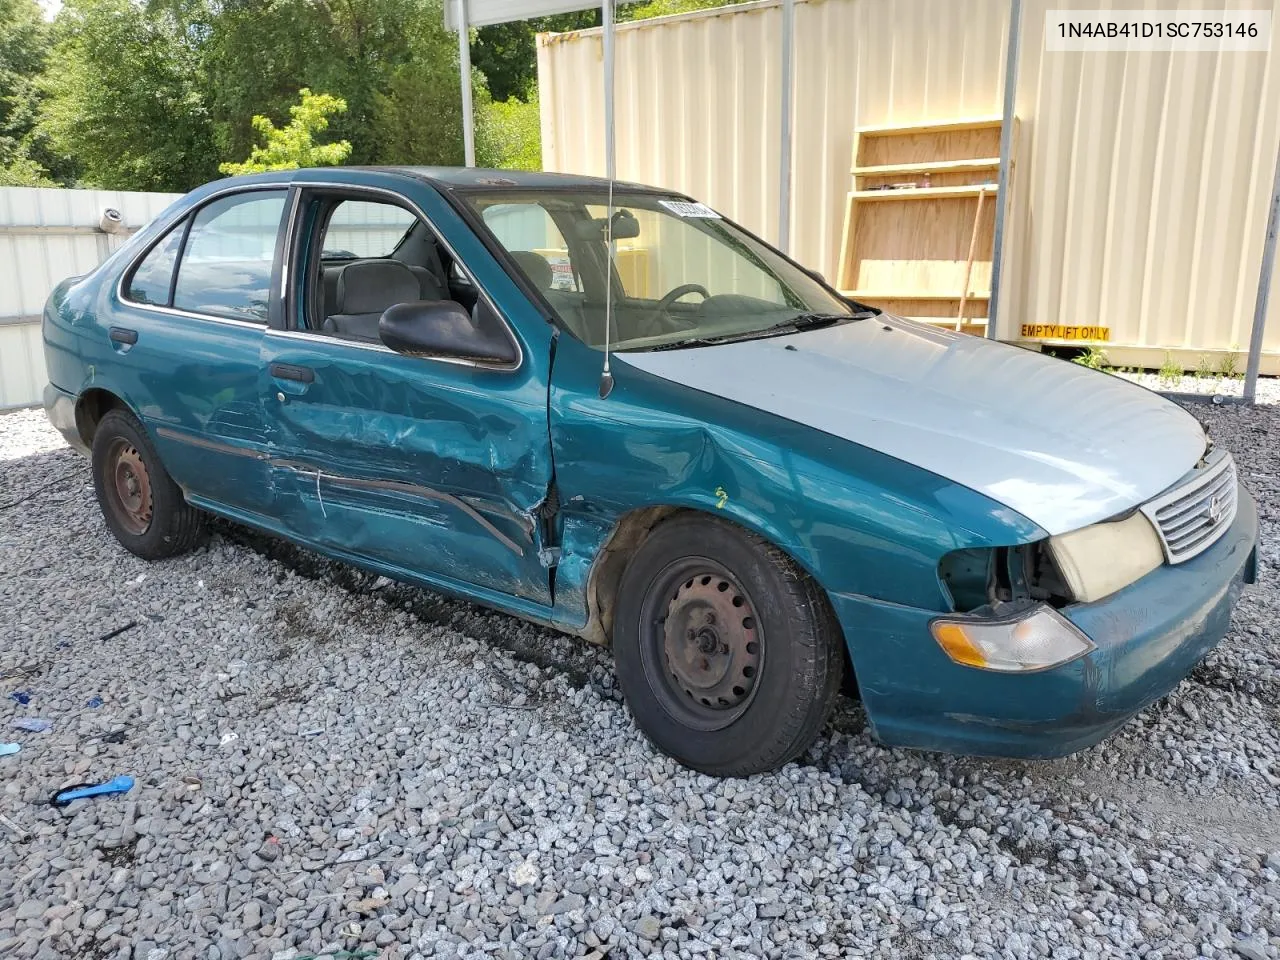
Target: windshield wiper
[
  {"x": 811, "y": 321},
  {"x": 692, "y": 342},
  {"x": 797, "y": 324}
]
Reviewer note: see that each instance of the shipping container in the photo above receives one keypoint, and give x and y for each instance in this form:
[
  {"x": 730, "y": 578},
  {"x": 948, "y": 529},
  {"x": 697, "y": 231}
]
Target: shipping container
[{"x": 1140, "y": 184}]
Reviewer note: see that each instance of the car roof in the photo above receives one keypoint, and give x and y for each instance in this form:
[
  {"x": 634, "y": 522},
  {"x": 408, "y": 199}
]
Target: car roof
[
  {"x": 489, "y": 179},
  {"x": 466, "y": 178}
]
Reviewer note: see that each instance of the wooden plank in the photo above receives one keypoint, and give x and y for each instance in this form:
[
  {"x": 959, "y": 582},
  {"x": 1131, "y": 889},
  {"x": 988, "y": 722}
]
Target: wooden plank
[
  {"x": 924, "y": 193},
  {"x": 865, "y": 295},
  {"x": 984, "y": 122},
  {"x": 844, "y": 268},
  {"x": 968, "y": 266},
  {"x": 976, "y": 165}
]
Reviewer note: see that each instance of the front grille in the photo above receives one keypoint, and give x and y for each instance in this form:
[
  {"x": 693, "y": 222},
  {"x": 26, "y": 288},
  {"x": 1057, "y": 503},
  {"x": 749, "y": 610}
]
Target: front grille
[{"x": 1192, "y": 516}]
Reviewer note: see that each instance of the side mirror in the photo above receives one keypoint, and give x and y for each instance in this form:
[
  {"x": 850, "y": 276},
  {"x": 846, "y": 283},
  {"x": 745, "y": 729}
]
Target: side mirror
[{"x": 443, "y": 329}]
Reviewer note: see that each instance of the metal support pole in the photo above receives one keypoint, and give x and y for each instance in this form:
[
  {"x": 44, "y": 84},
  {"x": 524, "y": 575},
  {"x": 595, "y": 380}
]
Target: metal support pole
[
  {"x": 784, "y": 161},
  {"x": 464, "y": 75},
  {"x": 1006, "y": 150},
  {"x": 1264, "y": 290},
  {"x": 610, "y": 164}
]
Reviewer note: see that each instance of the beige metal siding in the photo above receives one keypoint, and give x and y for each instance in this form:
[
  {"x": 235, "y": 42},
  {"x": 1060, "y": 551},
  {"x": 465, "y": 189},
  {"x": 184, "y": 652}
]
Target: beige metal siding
[
  {"x": 46, "y": 236},
  {"x": 1142, "y": 197},
  {"x": 1140, "y": 185}
]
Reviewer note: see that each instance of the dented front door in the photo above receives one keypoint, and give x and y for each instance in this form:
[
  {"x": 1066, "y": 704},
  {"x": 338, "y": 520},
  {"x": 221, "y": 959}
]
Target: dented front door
[{"x": 435, "y": 468}]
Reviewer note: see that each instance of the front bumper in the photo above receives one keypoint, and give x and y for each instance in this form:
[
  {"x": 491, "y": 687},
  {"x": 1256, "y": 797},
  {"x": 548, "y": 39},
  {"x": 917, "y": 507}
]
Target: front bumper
[
  {"x": 1148, "y": 636},
  {"x": 60, "y": 408}
]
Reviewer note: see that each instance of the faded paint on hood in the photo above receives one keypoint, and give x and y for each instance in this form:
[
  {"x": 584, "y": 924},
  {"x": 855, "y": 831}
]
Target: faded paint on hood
[{"x": 1063, "y": 445}]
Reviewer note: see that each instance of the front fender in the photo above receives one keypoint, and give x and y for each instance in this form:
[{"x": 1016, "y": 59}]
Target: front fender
[{"x": 858, "y": 521}]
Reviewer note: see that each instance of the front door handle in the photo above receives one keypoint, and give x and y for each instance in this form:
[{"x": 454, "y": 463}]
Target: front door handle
[
  {"x": 291, "y": 371},
  {"x": 123, "y": 335}
]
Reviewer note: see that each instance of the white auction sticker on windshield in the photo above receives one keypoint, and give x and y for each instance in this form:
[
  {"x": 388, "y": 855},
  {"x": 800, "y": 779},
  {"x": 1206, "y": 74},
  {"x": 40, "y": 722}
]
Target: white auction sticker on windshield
[{"x": 688, "y": 208}]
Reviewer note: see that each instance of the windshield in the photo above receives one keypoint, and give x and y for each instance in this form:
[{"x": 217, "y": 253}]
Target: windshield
[{"x": 683, "y": 275}]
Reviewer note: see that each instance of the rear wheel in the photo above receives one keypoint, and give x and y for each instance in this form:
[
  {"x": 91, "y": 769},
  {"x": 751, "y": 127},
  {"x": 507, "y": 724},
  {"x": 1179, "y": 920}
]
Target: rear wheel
[
  {"x": 141, "y": 504},
  {"x": 728, "y": 654}
]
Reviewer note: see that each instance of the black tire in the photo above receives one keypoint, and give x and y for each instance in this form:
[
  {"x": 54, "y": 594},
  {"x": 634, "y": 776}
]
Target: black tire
[
  {"x": 142, "y": 505},
  {"x": 683, "y": 648}
]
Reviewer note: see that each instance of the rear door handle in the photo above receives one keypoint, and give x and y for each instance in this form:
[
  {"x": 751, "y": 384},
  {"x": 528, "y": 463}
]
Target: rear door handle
[
  {"x": 291, "y": 371},
  {"x": 123, "y": 335}
]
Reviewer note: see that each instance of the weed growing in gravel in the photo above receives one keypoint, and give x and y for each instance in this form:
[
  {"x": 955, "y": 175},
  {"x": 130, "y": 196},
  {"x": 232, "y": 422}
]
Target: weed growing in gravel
[
  {"x": 1228, "y": 365},
  {"x": 1094, "y": 358},
  {"x": 1170, "y": 373}
]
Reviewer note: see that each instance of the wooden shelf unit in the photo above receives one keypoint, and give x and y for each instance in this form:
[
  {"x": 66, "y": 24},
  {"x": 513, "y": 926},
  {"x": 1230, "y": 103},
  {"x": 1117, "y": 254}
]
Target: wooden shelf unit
[{"x": 922, "y": 200}]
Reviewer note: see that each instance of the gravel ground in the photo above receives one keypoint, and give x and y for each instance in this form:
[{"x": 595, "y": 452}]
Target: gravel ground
[{"x": 327, "y": 762}]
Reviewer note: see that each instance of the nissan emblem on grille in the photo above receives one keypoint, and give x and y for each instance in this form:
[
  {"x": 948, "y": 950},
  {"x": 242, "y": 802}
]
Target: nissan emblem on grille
[{"x": 1195, "y": 513}]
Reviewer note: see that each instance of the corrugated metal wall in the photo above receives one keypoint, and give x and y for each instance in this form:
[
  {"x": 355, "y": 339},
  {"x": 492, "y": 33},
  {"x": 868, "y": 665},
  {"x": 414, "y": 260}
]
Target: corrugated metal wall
[
  {"x": 46, "y": 235},
  {"x": 1141, "y": 180}
]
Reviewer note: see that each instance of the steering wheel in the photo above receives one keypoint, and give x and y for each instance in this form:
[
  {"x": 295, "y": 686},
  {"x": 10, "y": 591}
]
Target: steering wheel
[{"x": 673, "y": 295}]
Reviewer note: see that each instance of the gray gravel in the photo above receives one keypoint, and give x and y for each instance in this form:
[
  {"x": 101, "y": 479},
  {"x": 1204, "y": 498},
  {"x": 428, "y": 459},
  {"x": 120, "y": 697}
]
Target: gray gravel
[{"x": 328, "y": 762}]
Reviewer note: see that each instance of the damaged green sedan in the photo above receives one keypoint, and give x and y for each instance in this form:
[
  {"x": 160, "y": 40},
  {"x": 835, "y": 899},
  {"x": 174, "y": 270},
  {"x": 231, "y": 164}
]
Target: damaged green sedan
[{"x": 610, "y": 410}]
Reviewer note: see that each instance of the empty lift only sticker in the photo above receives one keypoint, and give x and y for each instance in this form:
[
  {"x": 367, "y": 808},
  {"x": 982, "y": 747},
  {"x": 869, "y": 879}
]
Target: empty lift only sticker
[{"x": 1058, "y": 331}]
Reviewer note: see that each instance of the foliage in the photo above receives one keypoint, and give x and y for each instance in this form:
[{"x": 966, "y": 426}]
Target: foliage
[
  {"x": 24, "y": 47},
  {"x": 418, "y": 118},
  {"x": 1095, "y": 358},
  {"x": 1170, "y": 371},
  {"x": 123, "y": 101},
  {"x": 1228, "y": 366},
  {"x": 22, "y": 171},
  {"x": 509, "y": 135},
  {"x": 507, "y": 55},
  {"x": 666, "y": 8},
  {"x": 294, "y": 146},
  {"x": 1203, "y": 370}
]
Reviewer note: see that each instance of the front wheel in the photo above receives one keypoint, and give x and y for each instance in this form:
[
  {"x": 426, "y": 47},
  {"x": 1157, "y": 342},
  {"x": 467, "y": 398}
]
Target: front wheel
[{"x": 727, "y": 653}]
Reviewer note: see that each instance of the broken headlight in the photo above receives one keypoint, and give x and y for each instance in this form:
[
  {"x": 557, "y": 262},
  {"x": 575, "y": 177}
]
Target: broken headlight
[{"x": 1098, "y": 560}]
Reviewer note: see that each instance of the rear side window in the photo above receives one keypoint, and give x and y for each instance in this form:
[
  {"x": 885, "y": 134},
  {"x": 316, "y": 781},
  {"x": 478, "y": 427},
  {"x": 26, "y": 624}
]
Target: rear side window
[
  {"x": 225, "y": 269},
  {"x": 359, "y": 229},
  {"x": 153, "y": 276}
]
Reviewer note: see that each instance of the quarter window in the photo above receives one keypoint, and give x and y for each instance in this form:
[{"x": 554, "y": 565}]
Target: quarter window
[
  {"x": 152, "y": 278},
  {"x": 360, "y": 228},
  {"x": 225, "y": 269}
]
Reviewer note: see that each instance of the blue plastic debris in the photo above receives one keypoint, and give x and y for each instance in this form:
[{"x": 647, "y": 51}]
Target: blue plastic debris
[
  {"x": 22, "y": 696},
  {"x": 33, "y": 724},
  {"x": 94, "y": 703},
  {"x": 82, "y": 791},
  {"x": 8, "y": 749}
]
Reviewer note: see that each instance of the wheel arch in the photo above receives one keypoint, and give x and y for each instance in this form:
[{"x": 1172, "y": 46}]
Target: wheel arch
[
  {"x": 91, "y": 406},
  {"x": 631, "y": 531}
]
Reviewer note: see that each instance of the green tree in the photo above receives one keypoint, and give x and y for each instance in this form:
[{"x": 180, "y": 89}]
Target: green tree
[
  {"x": 294, "y": 146},
  {"x": 24, "y": 45},
  {"x": 665, "y": 8},
  {"x": 507, "y": 53},
  {"x": 509, "y": 135},
  {"x": 122, "y": 98}
]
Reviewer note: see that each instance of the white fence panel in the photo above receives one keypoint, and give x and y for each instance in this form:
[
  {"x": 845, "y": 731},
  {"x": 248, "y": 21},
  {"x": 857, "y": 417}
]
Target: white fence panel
[{"x": 46, "y": 236}]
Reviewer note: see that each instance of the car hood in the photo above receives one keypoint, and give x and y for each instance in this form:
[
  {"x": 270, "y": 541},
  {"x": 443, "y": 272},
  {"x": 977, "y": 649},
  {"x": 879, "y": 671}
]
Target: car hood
[{"x": 1063, "y": 445}]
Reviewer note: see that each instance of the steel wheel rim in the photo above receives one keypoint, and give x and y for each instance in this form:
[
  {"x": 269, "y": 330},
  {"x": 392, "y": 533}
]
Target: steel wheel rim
[
  {"x": 703, "y": 645},
  {"x": 129, "y": 487}
]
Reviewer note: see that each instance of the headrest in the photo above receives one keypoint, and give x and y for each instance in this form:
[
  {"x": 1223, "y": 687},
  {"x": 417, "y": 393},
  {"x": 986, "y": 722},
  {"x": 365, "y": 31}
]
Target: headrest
[
  {"x": 370, "y": 286},
  {"x": 535, "y": 267}
]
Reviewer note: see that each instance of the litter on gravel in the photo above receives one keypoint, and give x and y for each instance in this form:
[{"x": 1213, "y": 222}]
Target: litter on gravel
[{"x": 377, "y": 798}]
